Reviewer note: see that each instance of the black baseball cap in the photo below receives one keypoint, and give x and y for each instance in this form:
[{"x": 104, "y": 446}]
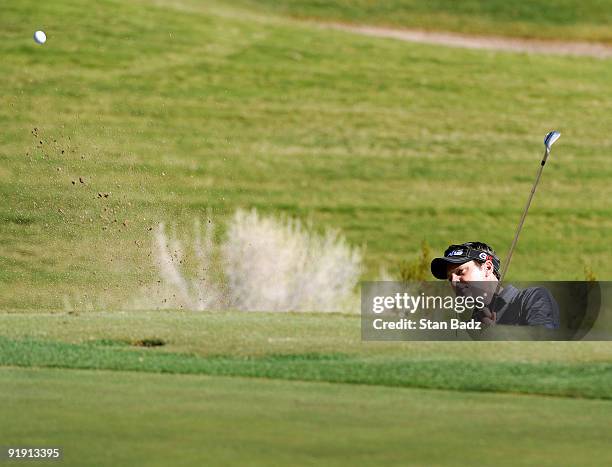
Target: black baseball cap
[{"x": 459, "y": 254}]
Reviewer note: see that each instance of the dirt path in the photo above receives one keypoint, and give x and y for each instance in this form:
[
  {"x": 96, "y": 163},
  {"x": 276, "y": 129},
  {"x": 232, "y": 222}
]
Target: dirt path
[{"x": 586, "y": 49}]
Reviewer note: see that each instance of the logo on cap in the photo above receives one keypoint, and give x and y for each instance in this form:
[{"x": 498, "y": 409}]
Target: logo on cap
[
  {"x": 483, "y": 256},
  {"x": 456, "y": 253}
]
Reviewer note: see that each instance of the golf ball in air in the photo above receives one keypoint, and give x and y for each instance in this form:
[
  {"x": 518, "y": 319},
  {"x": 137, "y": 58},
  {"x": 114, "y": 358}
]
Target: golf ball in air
[{"x": 40, "y": 37}]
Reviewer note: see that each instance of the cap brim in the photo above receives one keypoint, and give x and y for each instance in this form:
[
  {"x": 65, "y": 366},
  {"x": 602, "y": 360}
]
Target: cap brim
[{"x": 439, "y": 265}]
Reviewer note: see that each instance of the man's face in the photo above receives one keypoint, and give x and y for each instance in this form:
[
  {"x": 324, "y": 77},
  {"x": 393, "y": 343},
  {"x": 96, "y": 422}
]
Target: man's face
[
  {"x": 460, "y": 276},
  {"x": 466, "y": 272}
]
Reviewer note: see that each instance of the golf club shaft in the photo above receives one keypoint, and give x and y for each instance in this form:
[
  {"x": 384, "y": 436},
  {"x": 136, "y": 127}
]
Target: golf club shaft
[
  {"x": 522, "y": 221},
  {"x": 548, "y": 142}
]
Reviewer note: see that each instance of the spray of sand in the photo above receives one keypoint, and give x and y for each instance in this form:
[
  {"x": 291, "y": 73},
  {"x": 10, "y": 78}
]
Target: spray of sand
[{"x": 263, "y": 264}]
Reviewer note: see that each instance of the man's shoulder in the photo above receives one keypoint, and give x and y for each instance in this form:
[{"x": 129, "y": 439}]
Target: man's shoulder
[
  {"x": 534, "y": 293},
  {"x": 529, "y": 306},
  {"x": 540, "y": 307}
]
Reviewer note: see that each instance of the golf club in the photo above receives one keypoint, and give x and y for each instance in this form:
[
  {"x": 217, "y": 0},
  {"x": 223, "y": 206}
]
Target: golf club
[{"x": 549, "y": 140}]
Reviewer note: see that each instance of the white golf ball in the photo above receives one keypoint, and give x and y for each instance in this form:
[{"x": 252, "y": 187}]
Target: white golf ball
[{"x": 40, "y": 37}]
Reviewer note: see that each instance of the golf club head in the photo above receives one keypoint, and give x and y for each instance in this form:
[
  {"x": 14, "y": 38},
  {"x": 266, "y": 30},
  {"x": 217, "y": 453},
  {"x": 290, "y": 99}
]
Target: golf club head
[{"x": 550, "y": 139}]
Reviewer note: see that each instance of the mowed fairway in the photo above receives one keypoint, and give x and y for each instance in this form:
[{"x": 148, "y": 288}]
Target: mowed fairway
[
  {"x": 111, "y": 418},
  {"x": 315, "y": 393},
  {"x": 306, "y": 347}
]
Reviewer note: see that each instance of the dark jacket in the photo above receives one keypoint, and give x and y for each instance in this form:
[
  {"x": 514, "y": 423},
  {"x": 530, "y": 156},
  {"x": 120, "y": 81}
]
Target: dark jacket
[{"x": 533, "y": 306}]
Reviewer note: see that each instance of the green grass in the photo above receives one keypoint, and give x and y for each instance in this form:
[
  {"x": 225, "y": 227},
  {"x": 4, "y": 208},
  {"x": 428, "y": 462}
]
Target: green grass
[
  {"x": 307, "y": 347},
  {"x": 586, "y": 380},
  {"x": 119, "y": 418},
  {"x": 564, "y": 20},
  {"x": 314, "y": 395},
  {"x": 176, "y": 107},
  {"x": 242, "y": 334}
]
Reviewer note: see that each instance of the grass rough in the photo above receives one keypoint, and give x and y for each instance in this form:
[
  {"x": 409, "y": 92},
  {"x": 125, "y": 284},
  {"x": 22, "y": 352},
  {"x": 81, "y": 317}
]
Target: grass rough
[{"x": 171, "y": 108}]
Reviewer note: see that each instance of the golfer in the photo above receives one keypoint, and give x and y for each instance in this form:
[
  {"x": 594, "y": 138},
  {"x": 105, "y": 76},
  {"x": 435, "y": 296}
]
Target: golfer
[{"x": 473, "y": 269}]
